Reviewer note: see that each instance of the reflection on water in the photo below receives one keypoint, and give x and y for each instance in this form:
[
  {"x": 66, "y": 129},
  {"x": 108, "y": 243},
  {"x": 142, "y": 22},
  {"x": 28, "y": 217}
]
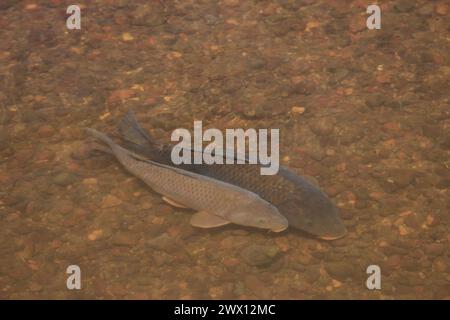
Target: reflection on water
[{"x": 365, "y": 112}]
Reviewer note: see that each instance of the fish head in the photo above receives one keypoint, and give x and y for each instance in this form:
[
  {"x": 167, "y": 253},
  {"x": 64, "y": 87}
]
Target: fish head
[
  {"x": 313, "y": 212},
  {"x": 261, "y": 215}
]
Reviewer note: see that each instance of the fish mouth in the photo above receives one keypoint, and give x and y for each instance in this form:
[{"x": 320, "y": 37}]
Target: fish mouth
[
  {"x": 279, "y": 229},
  {"x": 329, "y": 238},
  {"x": 333, "y": 237}
]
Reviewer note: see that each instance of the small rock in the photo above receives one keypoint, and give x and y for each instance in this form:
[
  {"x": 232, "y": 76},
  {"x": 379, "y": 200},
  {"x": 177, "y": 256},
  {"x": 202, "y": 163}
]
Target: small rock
[
  {"x": 298, "y": 110},
  {"x": 82, "y": 152},
  {"x": 90, "y": 181},
  {"x": 118, "y": 96},
  {"x": 440, "y": 264},
  {"x": 282, "y": 243},
  {"x": 45, "y": 131},
  {"x": 211, "y": 19},
  {"x": 357, "y": 24},
  {"x": 110, "y": 201},
  {"x": 231, "y": 262},
  {"x": 409, "y": 264},
  {"x": 391, "y": 263},
  {"x": 148, "y": 15},
  {"x": 126, "y": 36},
  {"x": 404, "y": 230},
  {"x": 5, "y": 4},
  {"x": 434, "y": 249},
  {"x": 44, "y": 156},
  {"x": 340, "y": 270},
  {"x": 260, "y": 255},
  {"x": 96, "y": 234},
  {"x": 164, "y": 242},
  {"x": 322, "y": 126},
  {"x": 64, "y": 179},
  {"x": 404, "y": 5},
  {"x": 254, "y": 284},
  {"x": 18, "y": 271},
  {"x": 402, "y": 177},
  {"x": 124, "y": 239},
  {"x": 442, "y": 9},
  {"x": 231, "y": 3},
  {"x": 375, "y": 100},
  {"x": 312, "y": 274}
]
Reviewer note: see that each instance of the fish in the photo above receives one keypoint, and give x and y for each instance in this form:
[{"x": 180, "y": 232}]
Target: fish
[
  {"x": 306, "y": 207},
  {"x": 217, "y": 203}
]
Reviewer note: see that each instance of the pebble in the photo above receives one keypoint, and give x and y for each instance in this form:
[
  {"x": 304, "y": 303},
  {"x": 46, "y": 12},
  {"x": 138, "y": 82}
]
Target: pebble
[
  {"x": 282, "y": 243},
  {"x": 254, "y": 284},
  {"x": 44, "y": 156},
  {"x": 404, "y": 5},
  {"x": 124, "y": 239},
  {"x": 46, "y": 131},
  {"x": 231, "y": 262},
  {"x": 298, "y": 110},
  {"x": 322, "y": 126},
  {"x": 162, "y": 209},
  {"x": 126, "y": 36},
  {"x": 231, "y": 3},
  {"x": 260, "y": 255},
  {"x": 340, "y": 270},
  {"x": 164, "y": 242},
  {"x": 110, "y": 201},
  {"x": 5, "y": 4},
  {"x": 148, "y": 15},
  {"x": 440, "y": 264},
  {"x": 16, "y": 270},
  {"x": 434, "y": 249},
  {"x": 403, "y": 230},
  {"x": 402, "y": 177},
  {"x": 312, "y": 274},
  {"x": 64, "y": 179},
  {"x": 391, "y": 263},
  {"x": 94, "y": 235},
  {"x": 82, "y": 152},
  {"x": 118, "y": 96},
  {"x": 375, "y": 100},
  {"x": 442, "y": 8},
  {"x": 90, "y": 181}
]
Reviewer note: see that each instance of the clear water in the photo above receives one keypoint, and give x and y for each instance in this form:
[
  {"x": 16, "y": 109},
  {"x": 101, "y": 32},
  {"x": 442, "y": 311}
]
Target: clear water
[{"x": 365, "y": 112}]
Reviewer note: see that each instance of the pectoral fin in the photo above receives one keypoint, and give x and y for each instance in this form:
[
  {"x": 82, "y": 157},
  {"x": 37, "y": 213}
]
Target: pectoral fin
[
  {"x": 204, "y": 219},
  {"x": 173, "y": 202}
]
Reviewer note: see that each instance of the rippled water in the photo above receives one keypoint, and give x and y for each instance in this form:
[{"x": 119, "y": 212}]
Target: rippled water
[{"x": 365, "y": 112}]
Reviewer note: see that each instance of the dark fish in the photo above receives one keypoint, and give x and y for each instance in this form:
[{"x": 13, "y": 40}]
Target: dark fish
[{"x": 305, "y": 206}]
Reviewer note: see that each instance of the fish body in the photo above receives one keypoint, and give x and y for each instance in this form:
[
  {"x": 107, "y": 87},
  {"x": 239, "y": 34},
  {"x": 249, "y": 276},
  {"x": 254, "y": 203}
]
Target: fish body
[
  {"x": 306, "y": 207},
  {"x": 216, "y": 202}
]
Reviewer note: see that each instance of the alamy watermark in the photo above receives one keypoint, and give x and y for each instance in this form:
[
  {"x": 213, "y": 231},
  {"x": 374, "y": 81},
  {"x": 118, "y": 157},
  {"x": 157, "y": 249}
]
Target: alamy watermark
[
  {"x": 373, "y": 282},
  {"x": 216, "y": 153},
  {"x": 74, "y": 20},
  {"x": 73, "y": 281},
  {"x": 374, "y": 20}
]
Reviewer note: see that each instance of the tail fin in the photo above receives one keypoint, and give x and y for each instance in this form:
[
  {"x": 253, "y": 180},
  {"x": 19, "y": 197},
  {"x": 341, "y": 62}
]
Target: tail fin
[
  {"x": 131, "y": 131},
  {"x": 101, "y": 136}
]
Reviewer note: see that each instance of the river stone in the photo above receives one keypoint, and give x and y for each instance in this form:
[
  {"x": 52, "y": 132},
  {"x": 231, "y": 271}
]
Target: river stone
[
  {"x": 165, "y": 243},
  {"x": 260, "y": 255},
  {"x": 340, "y": 270},
  {"x": 64, "y": 179}
]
